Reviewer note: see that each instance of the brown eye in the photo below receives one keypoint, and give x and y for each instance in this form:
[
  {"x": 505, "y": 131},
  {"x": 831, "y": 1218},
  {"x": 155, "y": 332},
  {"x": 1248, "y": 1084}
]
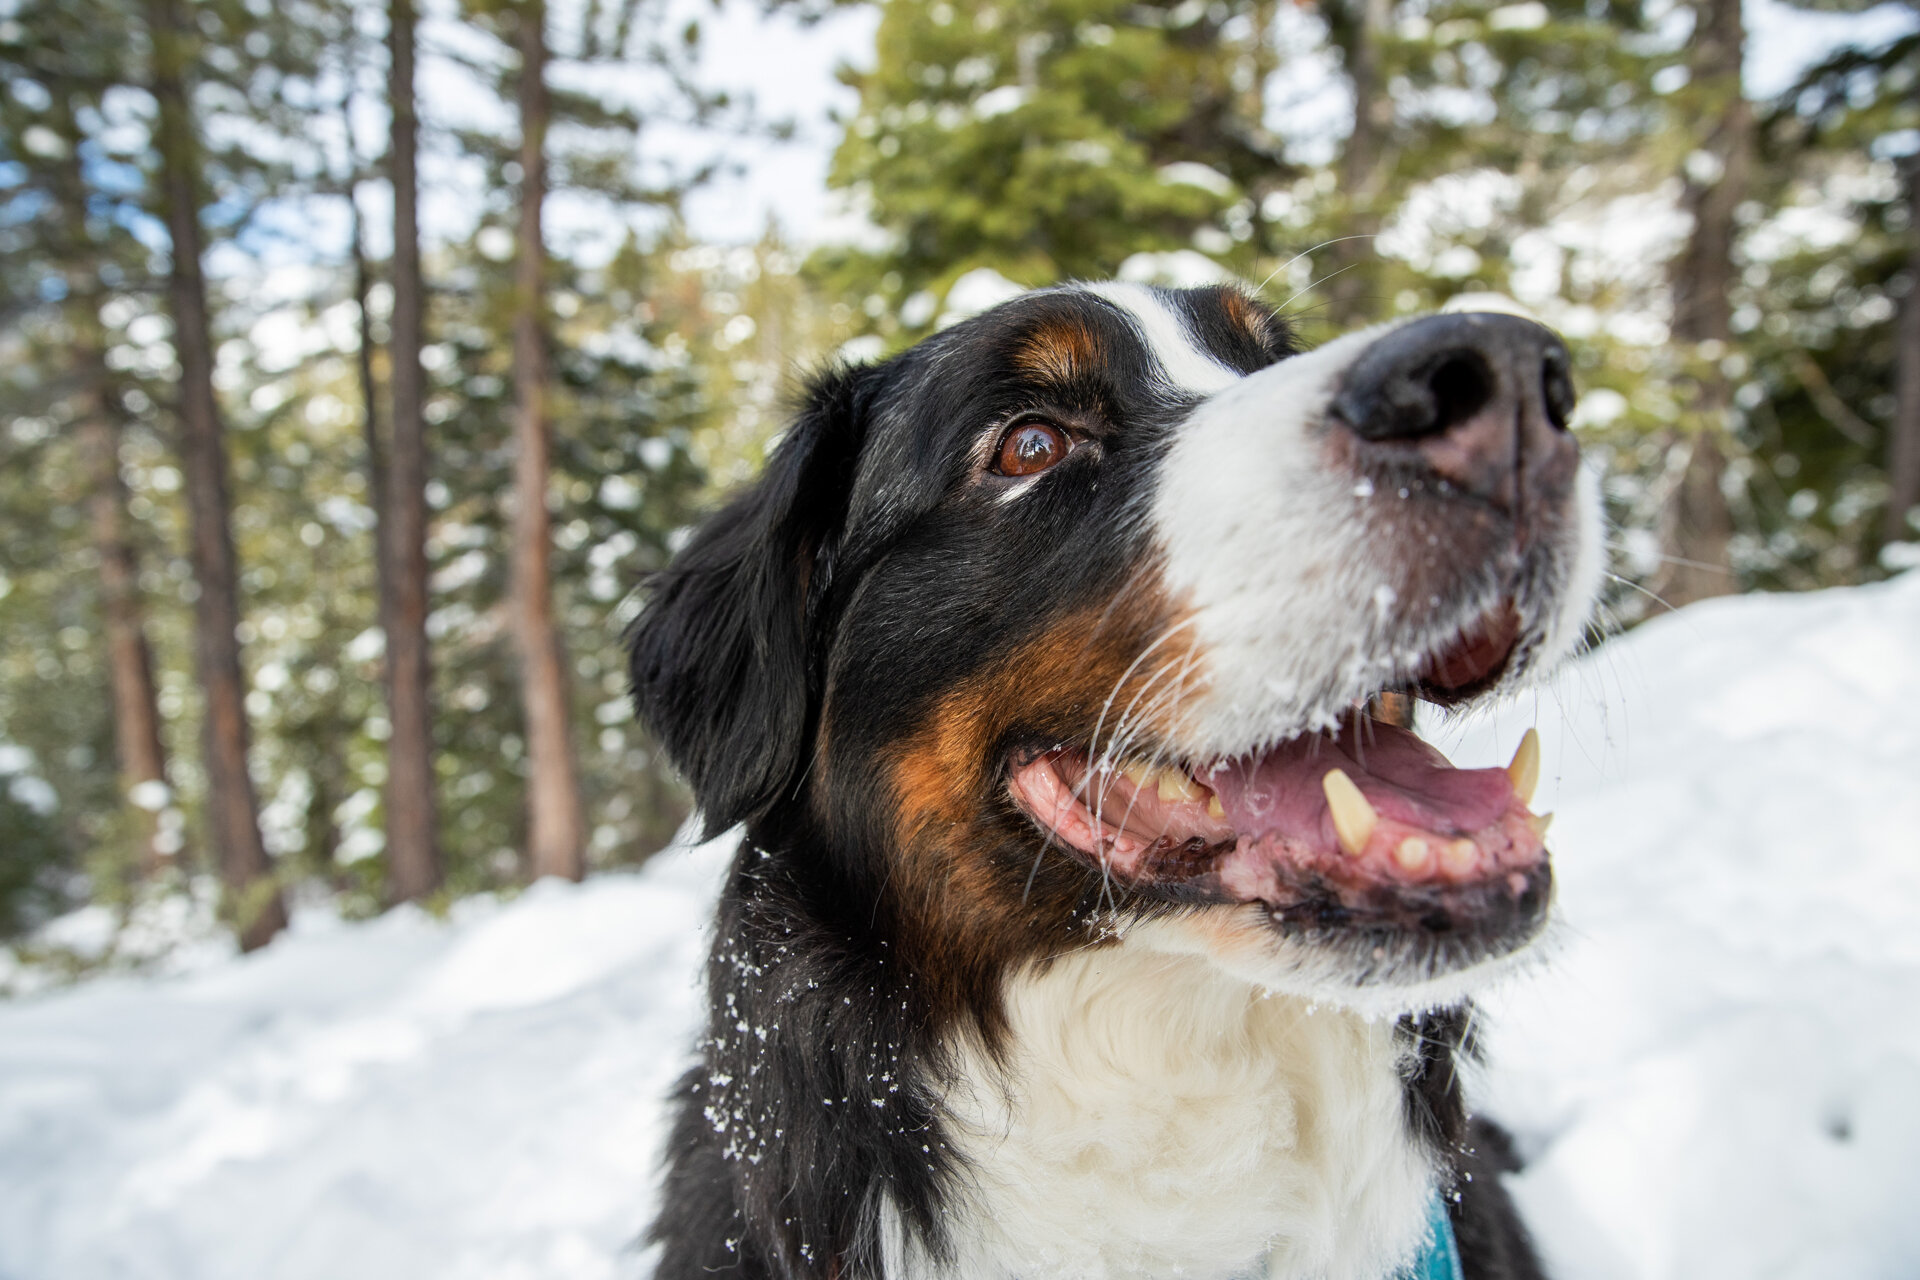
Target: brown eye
[{"x": 1029, "y": 448}]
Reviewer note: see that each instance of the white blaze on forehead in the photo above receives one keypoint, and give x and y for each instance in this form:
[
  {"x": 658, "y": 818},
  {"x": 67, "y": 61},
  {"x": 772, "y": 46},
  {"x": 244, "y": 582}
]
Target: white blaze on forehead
[{"x": 1183, "y": 363}]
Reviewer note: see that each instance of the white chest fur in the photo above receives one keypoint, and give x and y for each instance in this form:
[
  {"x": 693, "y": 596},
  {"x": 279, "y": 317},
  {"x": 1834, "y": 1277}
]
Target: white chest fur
[{"x": 1158, "y": 1117}]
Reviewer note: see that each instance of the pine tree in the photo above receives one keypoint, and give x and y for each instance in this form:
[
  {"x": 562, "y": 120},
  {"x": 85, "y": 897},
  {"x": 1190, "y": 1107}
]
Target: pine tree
[
  {"x": 299, "y": 367},
  {"x": 1472, "y": 126},
  {"x": 1359, "y": 29},
  {"x": 76, "y": 681},
  {"x": 1547, "y": 116},
  {"x": 1052, "y": 141},
  {"x": 413, "y": 839},
  {"x": 232, "y": 808},
  {"x": 80, "y": 251},
  {"x": 599, "y": 159},
  {"x": 1717, "y": 173},
  {"x": 263, "y": 62},
  {"x": 136, "y": 713},
  {"x": 1903, "y": 434},
  {"x": 556, "y": 823},
  {"x": 1836, "y": 328}
]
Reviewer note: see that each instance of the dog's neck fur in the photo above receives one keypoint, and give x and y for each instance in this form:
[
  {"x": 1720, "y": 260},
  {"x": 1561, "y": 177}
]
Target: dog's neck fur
[
  {"x": 1146, "y": 1113},
  {"x": 1153, "y": 1116}
]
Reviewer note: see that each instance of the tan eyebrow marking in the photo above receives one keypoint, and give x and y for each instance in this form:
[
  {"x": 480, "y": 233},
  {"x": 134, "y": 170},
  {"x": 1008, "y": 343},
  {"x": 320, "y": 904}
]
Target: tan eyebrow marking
[
  {"x": 1241, "y": 310},
  {"x": 1059, "y": 350}
]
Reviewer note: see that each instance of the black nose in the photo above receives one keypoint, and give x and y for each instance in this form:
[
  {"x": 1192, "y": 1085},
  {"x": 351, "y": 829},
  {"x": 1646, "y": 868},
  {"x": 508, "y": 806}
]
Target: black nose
[{"x": 1482, "y": 398}]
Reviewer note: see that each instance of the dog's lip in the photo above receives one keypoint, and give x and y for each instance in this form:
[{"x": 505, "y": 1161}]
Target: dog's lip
[
  {"x": 1474, "y": 659},
  {"x": 1439, "y": 843}
]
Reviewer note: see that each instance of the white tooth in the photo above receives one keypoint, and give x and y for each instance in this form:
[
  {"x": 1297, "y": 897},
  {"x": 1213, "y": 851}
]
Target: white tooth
[
  {"x": 1175, "y": 785},
  {"x": 1214, "y": 810},
  {"x": 1540, "y": 822},
  {"x": 1411, "y": 853},
  {"x": 1525, "y": 769},
  {"x": 1137, "y": 772},
  {"x": 1460, "y": 856},
  {"x": 1353, "y": 818}
]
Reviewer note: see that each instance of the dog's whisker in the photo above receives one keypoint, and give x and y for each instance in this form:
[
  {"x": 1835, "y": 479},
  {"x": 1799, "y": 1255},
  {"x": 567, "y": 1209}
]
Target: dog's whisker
[
  {"x": 1324, "y": 244},
  {"x": 1631, "y": 585},
  {"x": 1167, "y": 633},
  {"x": 1315, "y": 284}
]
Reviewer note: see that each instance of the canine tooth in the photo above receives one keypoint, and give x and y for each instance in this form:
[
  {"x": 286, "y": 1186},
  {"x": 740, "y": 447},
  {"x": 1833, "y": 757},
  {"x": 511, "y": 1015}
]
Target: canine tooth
[
  {"x": 1353, "y": 818},
  {"x": 1525, "y": 769},
  {"x": 1540, "y": 822},
  {"x": 1175, "y": 785},
  {"x": 1411, "y": 853},
  {"x": 1213, "y": 808},
  {"x": 1459, "y": 856}
]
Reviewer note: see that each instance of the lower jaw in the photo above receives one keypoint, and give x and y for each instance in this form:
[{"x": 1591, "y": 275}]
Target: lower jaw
[
  {"x": 1417, "y": 928},
  {"x": 1466, "y": 924},
  {"x": 1372, "y": 966}
]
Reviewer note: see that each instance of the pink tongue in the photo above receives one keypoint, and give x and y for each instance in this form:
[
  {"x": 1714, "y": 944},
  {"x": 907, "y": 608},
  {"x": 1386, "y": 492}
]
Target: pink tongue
[{"x": 1281, "y": 793}]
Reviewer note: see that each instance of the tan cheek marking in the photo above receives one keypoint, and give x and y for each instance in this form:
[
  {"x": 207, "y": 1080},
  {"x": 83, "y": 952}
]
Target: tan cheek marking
[
  {"x": 938, "y": 770},
  {"x": 1060, "y": 682},
  {"x": 964, "y": 915}
]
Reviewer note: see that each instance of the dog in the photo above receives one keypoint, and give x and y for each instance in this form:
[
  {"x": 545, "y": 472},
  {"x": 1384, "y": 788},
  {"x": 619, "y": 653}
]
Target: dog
[{"x": 1085, "y": 924}]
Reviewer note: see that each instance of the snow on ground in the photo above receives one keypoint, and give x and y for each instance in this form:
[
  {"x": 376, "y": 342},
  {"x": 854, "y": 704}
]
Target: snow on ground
[
  {"x": 402, "y": 1098},
  {"x": 1717, "y": 1075}
]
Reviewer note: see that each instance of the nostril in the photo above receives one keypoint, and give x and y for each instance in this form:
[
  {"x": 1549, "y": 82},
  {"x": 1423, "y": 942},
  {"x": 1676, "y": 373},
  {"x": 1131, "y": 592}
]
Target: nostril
[
  {"x": 1461, "y": 385},
  {"x": 1447, "y": 374},
  {"x": 1556, "y": 388}
]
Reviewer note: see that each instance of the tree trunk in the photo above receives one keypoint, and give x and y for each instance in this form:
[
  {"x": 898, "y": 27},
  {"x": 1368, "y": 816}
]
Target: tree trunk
[
  {"x": 1702, "y": 279},
  {"x": 331, "y": 785},
  {"x": 136, "y": 708},
  {"x": 253, "y": 902},
  {"x": 138, "y": 750},
  {"x": 1903, "y": 443},
  {"x": 413, "y": 847},
  {"x": 371, "y": 436},
  {"x": 556, "y": 843},
  {"x": 1350, "y": 282}
]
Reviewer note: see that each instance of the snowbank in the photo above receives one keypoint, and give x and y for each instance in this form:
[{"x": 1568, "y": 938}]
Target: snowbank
[
  {"x": 404, "y": 1098},
  {"x": 1717, "y": 1075}
]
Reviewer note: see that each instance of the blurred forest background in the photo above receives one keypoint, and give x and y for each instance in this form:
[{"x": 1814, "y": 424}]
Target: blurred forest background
[{"x": 320, "y": 525}]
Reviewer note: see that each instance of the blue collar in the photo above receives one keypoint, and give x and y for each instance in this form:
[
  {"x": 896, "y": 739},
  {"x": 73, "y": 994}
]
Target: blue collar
[{"x": 1440, "y": 1260}]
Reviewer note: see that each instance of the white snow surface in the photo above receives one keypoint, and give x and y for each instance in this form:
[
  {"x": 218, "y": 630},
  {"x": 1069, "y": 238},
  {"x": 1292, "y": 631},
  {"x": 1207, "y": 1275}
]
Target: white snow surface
[{"x": 1715, "y": 1072}]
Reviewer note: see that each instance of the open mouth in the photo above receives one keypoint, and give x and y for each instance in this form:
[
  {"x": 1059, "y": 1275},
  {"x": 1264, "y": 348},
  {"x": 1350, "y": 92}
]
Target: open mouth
[
  {"x": 1474, "y": 660},
  {"x": 1362, "y": 827}
]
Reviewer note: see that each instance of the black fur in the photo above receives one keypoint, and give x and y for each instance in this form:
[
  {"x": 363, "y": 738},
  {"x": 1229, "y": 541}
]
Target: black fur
[
  {"x": 810, "y": 1101},
  {"x": 860, "y": 572},
  {"x": 719, "y": 659},
  {"x": 1493, "y": 1241}
]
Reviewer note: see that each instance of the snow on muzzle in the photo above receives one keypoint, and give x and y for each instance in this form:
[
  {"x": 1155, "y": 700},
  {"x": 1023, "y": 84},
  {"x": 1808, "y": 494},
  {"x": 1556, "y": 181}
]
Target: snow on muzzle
[{"x": 1338, "y": 523}]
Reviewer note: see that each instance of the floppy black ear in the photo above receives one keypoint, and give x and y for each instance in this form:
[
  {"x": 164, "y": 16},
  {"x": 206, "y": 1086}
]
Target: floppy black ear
[{"x": 720, "y": 656}]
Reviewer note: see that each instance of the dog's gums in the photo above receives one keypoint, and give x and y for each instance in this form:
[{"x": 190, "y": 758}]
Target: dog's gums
[
  {"x": 1368, "y": 822},
  {"x": 1363, "y": 827}
]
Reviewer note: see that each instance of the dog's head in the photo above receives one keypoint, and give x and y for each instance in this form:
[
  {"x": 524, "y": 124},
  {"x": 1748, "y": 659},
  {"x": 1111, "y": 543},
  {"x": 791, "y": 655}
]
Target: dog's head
[{"x": 1063, "y": 623}]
